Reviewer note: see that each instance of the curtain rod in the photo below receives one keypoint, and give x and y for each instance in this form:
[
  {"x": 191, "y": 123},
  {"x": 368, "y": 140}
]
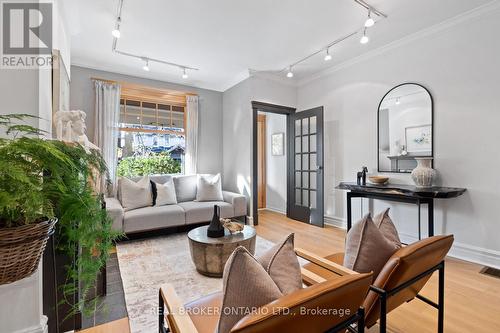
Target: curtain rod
[{"x": 124, "y": 83}]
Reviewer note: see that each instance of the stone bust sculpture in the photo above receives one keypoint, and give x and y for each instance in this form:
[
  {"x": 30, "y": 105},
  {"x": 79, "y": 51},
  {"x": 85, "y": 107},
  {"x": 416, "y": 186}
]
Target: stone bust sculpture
[{"x": 70, "y": 127}]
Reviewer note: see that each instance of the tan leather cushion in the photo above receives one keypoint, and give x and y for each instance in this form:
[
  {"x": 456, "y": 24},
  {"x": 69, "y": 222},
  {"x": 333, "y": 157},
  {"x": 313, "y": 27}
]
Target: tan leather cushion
[
  {"x": 313, "y": 310},
  {"x": 282, "y": 265},
  {"x": 367, "y": 250},
  {"x": 246, "y": 286},
  {"x": 384, "y": 223},
  {"x": 204, "y": 312},
  {"x": 406, "y": 263}
]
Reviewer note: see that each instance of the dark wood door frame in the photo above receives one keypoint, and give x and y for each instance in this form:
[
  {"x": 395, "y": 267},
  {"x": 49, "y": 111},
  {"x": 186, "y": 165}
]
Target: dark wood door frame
[{"x": 269, "y": 108}]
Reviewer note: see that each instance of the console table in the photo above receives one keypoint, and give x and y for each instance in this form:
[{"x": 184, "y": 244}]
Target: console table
[{"x": 400, "y": 193}]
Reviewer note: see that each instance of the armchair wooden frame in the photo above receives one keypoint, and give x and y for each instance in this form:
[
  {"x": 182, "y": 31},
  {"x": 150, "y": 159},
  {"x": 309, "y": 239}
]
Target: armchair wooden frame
[{"x": 170, "y": 306}]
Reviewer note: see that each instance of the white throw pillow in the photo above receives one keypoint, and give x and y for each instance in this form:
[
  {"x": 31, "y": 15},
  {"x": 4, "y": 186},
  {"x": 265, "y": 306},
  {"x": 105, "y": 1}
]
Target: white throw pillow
[
  {"x": 209, "y": 188},
  {"x": 165, "y": 193},
  {"x": 135, "y": 195}
]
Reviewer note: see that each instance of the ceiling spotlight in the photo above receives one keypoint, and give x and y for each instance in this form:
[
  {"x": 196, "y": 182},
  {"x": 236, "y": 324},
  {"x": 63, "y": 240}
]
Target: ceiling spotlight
[
  {"x": 290, "y": 73},
  {"x": 369, "y": 21},
  {"x": 116, "y": 32},
  {"x": 328, "y": 56},
  {"x": 184, "y": 74},
  {"x": 398, "y": 101},
  {"x": 146, "y": 66},
  {"x": 365, "y": 39}
]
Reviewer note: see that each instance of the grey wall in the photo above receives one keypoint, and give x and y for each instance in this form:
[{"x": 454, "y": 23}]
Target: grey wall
[
  {"x": 210, "y": 111},
  {"x": 276, "y": 175},
  {"x": 460, "y": 67},
  {"x": 237, "y": 126}
]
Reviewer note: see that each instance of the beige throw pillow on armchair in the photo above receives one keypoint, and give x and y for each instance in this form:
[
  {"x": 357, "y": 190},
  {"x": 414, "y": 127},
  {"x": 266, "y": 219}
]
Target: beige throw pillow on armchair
[{"x": 367, "y": 249}]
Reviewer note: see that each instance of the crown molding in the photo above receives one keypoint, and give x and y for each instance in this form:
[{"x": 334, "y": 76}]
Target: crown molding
[{"x": 487, "y": 8}]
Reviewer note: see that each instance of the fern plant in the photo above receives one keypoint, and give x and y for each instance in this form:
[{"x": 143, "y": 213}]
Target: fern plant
[{"x": 43, "y": 179}]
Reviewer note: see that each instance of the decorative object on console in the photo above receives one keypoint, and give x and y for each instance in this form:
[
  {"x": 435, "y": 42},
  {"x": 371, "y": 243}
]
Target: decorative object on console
[
  {"x": 233, "y": 227},
  {"x": 277, "y": 142},
  {"x": 215, "y": 229},
  {"x": 361, "y": 176},
  {"x": 378, "y": 179},
  {"x": 423, "y": 174}
]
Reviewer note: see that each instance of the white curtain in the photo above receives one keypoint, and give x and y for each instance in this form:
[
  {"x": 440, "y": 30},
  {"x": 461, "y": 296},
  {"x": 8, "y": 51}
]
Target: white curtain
[
  {"x": 106, "y": 117},
  {"x": 191, "y": 157}
]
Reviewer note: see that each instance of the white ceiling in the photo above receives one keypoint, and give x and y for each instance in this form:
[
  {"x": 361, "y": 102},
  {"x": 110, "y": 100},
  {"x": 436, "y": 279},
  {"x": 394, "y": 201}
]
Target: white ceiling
[{"x": 227, "y": 38}]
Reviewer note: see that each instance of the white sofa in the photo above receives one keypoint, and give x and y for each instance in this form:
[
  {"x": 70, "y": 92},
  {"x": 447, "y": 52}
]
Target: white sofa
[{"x": 185, "y": 212}]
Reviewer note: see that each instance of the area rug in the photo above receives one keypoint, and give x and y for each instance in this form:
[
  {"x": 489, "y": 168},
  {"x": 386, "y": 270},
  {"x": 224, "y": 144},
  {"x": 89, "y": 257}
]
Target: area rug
[{"x": 147, "y": 264}]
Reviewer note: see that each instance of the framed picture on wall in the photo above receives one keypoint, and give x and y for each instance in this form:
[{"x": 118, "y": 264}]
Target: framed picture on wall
[
  {"x": 419, "y": 139},
  {"x": 277, "y": 143}
]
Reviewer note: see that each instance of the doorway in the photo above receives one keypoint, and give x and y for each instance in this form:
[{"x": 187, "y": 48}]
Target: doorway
[{"x": 302, "y": 169}]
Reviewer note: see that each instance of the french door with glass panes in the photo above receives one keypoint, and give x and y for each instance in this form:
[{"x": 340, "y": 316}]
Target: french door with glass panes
[{"x": 305, "y": 167}]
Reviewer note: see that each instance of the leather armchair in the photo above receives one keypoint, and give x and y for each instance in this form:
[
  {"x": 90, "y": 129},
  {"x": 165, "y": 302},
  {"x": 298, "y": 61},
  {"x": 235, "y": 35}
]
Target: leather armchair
[
  {"x": 402, "y": 278},
  {"x": 296, "y": 312}
]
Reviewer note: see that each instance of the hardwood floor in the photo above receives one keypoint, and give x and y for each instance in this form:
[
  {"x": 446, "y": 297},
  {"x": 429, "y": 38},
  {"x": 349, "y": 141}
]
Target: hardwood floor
[{"x": 472, "y": 300}]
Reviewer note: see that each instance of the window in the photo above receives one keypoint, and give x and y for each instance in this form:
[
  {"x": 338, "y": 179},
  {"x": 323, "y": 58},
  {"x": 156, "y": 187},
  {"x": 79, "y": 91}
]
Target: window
[{"x": 152, "y": 136}]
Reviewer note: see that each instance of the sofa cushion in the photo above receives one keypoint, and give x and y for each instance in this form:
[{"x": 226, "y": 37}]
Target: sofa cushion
[
  {"x": 165, "y": 193},
  {"x": 135, "y": 194},
  {"x": 185, "y": 187},
  {"x": 149, "y": 218},
  {"x": 209, "y": 188},
  {"x": 197, "y": 212}
]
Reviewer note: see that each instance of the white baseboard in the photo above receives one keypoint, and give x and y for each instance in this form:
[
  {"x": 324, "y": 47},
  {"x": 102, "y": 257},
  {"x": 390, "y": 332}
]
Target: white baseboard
[
  {"x": 275, "y": 210},
  {"x": 40, "y": 328},
  {"x": 459, "y": 250}
]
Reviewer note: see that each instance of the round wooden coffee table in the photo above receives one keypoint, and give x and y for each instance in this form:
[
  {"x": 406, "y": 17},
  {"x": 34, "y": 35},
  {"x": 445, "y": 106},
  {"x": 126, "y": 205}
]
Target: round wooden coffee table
[{"x": 210, "y": 254}]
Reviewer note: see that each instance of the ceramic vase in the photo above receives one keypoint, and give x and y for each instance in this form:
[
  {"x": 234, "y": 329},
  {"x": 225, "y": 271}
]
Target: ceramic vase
[
  {"x": 215, "y": 229},
  {"x": 423, "y": 174}
]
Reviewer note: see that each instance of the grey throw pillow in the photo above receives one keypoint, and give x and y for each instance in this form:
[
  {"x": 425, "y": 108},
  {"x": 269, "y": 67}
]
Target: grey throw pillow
[
  {"x": 366, "y": 248},
  {"x": 209, "y": 188},
  {"x": 246, "y": 286},
  {"x": 165, "y": 193},
  {"x": 135, "y": 195},
  {"x": 282, "y": 265}
]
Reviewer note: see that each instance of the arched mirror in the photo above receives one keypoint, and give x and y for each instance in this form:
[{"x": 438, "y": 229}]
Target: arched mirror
[{"x": 405, "y": 128}]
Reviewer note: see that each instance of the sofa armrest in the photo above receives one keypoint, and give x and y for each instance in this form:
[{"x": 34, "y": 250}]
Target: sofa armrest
[
  {"x": 115, "y": 211},
  {"x": 238, "y": 201}
]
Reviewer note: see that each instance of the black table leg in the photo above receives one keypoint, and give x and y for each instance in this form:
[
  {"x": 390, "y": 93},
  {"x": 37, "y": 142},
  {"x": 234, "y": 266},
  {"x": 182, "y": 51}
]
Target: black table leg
[
  {"x": 349, "y": 212},
  {"x": 430, "y": 211},
  {"x": 419, "y": 204}
]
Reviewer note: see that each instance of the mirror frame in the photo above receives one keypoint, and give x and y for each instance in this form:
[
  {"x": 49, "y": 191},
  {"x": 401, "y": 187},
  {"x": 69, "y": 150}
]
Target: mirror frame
[{"x": 378, "y": 126}]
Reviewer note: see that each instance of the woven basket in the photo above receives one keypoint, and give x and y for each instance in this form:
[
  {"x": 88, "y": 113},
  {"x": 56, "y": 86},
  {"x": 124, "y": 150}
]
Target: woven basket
[{"x": 21, "y": 249}]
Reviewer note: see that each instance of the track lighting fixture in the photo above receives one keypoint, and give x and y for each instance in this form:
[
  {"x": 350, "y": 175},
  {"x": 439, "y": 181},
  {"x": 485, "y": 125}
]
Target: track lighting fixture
[
  {"x": 114, "y": 47},
  {"x": 369, "y": 21},
  {"x": 365, "y": 39},
  {"x": 328, "y": 56},
  {"x": 290, "y": 73},
  {"x": 146, "y": 66}
]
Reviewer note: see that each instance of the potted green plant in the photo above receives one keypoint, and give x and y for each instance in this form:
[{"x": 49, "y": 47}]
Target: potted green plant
[{"x": 41, "y": 182}]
